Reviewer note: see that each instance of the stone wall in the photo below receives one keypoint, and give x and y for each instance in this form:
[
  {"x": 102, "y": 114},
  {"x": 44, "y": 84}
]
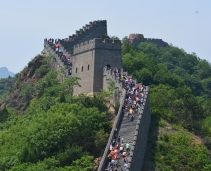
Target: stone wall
[
  {"x": 136, "y": 39},
  {"x": 83, "y": 67},
  {"x": 158, "y": 42}
]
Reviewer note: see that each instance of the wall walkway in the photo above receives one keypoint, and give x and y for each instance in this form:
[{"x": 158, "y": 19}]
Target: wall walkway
[{"x": 135, "y": 133}]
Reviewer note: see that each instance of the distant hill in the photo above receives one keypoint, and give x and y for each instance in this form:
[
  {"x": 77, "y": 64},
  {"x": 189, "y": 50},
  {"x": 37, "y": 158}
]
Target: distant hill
[{"x": 4, "y": 73}]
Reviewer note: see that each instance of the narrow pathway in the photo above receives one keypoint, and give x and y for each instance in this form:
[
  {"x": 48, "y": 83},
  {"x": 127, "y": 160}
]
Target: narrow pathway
[{"x": 127, "y": 128}]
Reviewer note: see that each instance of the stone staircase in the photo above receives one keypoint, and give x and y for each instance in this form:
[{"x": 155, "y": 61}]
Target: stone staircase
[{"x": 49, "y": 50}]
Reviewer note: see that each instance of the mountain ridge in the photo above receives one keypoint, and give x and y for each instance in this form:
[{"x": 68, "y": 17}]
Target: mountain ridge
[{"x": 4, "y": 72}]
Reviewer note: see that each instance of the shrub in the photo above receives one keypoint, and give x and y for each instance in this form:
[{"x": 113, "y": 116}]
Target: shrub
[{"x": 42, "y": 70}]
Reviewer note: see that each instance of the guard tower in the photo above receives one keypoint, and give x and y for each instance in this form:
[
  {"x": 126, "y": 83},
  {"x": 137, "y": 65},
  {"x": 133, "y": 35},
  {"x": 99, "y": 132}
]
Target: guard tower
[{"x": 89, "y": 59}]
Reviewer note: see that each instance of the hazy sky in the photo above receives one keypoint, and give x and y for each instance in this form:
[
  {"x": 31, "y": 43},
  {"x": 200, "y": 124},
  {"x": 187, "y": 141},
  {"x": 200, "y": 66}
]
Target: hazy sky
[{"x": 25, "y": 23}]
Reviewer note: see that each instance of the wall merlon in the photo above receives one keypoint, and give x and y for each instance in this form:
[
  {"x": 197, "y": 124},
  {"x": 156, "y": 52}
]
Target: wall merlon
[
  {"x": 97, "y": 43},
  {"x": 107, "y": 43}
]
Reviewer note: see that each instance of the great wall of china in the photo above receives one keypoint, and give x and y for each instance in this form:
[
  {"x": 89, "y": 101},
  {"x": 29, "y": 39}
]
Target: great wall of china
[{"x": 91, "y": 56}]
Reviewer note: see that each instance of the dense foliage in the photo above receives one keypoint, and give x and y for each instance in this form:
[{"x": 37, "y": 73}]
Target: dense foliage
[
  {"x": 57, "y": 132},
  {"x": 5, "y": 86},
  {"x": 179, "y": 152},
  {"x": 179, "y": 93}
]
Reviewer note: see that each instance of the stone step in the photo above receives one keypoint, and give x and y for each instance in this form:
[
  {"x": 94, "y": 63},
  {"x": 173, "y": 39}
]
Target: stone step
[{"x": 50, "y": 50}]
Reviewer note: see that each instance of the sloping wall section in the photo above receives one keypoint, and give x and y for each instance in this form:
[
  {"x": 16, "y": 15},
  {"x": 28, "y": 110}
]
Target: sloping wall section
[{"x": 140, "y": 128}]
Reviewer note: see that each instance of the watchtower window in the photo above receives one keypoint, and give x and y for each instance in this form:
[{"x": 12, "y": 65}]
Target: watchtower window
[
  {"x": 82, "y": 68},
  {"x": 88, "y": 67},
  {"x": 76, "y": 70}
]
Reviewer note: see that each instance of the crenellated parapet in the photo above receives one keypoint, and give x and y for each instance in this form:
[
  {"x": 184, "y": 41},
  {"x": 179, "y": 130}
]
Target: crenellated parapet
[
  {"x": 89, "y": 31},
  {"x": 158, "y": 42},
  {"x": 97, "y": 43},
  {"x": 136, "y": 39}
]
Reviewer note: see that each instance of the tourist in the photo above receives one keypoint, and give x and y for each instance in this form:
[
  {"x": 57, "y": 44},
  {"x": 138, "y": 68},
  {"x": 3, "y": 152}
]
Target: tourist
[
  {"x": 115, "y": 157},
  {"x": 127, "y": 147},
  {"x": 125, "y": 159},
  {"x": 121, "y": 149},
  {"x": 132, "y": 118},
  {"x": 125, "y": 165},
  {"x": 122, "y": 139},
  {"x": 139, "y": 110},
  {"x": 109, "y": 157},
  {"x": 117, "y": 146},
  {"x": 118, "y": 139},
  {"x": 112, "y": 152},
  {"x": 124, "y": 154},
  {"x": 111, "y": 147},
  {"x": 113, "y": 142}
]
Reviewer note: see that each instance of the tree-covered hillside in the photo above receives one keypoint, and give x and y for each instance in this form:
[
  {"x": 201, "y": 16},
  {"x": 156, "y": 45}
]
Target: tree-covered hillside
[
  {"x": 5, "y": 85},
  {"x": 53, "y": 130},
  {"x": 56, "y": 131},
  {"x": 180, "y": 95}
]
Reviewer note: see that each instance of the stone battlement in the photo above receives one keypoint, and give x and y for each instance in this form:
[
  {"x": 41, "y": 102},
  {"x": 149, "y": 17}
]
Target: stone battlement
[
  {"x": 85, "y": 30},
  {"x": 159, "y": 42},
  {"x": 135, "y": 39},
  {"x": 97, "y": 43},
  {"x": 92, "y": 30}
]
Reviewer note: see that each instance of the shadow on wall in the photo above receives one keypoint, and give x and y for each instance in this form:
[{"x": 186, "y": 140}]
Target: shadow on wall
[{"x": 149, "y": 159}]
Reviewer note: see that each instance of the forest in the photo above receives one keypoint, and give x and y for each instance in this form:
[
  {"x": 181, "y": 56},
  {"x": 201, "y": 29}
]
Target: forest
[
  {"x": 179, "y": 96},
  {"x": 58, "y": 131},
  {"x": 5, "y": 86}
]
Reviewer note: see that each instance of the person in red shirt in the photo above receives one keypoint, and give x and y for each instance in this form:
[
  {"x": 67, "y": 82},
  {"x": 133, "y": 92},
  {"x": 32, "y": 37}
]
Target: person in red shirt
[
  {"x": 115, "y": 157},
  {"x": 112, "y": 152}
]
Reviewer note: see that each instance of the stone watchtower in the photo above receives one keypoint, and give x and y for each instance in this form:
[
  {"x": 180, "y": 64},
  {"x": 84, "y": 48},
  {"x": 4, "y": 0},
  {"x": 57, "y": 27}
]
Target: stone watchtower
[
  {"x": 89, "y": 58},
  {"x": 135, "y": 39}
]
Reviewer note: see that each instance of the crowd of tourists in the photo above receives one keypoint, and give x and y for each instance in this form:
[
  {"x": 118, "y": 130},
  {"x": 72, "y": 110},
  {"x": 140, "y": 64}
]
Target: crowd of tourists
[
  {"x": 66, "y": 58},
  {"x": 120, "y": 150}
]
